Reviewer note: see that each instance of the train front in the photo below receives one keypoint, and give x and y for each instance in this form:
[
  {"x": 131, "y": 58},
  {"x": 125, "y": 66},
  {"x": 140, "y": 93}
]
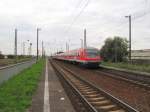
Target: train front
[{"x": 92, "y": 57}]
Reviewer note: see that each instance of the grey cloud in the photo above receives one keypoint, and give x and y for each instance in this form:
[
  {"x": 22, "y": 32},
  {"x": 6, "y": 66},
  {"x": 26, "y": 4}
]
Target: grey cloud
[{"x": 102, "y": 18}]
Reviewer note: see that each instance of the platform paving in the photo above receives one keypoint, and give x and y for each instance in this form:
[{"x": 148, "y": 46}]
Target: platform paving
[{"x": 58, "y": 99}]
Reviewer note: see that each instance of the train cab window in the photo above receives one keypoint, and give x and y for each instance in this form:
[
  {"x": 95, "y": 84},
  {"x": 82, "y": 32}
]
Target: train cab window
[{"x": 92, "y": 53}]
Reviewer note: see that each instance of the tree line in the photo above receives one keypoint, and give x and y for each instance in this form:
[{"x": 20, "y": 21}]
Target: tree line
[
  {"x": 115, "y": 49},
  {"x": 10, "y": 56}
]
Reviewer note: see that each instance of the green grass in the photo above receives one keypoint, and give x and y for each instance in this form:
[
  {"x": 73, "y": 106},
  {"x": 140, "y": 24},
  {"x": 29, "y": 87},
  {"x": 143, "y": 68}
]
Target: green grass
[
  {"x": 16, "y": 93},
  {"x": 136, "y": 67}
]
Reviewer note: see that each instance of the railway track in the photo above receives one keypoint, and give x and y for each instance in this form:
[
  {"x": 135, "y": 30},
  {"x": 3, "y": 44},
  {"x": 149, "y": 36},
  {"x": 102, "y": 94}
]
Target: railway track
[
  {"x": 86, "y": 96},
  {"x": 142, "y": 81}
]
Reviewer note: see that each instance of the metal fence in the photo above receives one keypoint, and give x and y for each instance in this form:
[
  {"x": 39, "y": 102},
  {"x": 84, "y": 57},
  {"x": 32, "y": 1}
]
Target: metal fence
[{"x": 9, "y": 71}]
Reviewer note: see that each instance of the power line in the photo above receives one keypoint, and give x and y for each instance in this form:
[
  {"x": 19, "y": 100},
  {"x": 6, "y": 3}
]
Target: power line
[
  {"x": 119, "y": 26},
  {"x": 135, "y": 16},
  {"x": 76, "y": 7},
  {"x": 75, "y": 18},
  {"x": 78, "y": 4}
]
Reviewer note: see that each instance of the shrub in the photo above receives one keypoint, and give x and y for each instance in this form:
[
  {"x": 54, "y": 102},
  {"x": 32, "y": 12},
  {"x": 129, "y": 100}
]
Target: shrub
[
  {"x": 10, "y": 56},
  {"x": 2, "y": 56}
]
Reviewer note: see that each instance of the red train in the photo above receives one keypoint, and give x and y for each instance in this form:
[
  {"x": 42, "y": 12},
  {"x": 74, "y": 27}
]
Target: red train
[{"x": 89, "y": 56}]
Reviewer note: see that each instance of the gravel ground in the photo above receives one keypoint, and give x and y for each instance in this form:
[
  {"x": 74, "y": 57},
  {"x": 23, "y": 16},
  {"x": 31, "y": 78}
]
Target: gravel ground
[{"x": 137, "y": 97}]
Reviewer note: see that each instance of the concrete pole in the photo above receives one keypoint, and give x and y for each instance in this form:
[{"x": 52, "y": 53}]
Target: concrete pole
[
  {"x": 81, "y": 43},
  {"x": 85, "y": 38},
  {"x": 116, "y": 46},
  {"x": 23, "y": 48},
  {"x": 15, "y": 49},
  {"x": 38, "y": 29},
  {"x": 129, "y": 36},
  {"x": 68, "y": 47},
  {"x": 28, "y": 48},
  {"x": 42, "y": 49}
]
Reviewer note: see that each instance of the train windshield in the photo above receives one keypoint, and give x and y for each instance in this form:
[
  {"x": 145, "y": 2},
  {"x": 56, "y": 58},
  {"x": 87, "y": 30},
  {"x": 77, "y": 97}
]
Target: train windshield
[{"x": 92, "y": 53}]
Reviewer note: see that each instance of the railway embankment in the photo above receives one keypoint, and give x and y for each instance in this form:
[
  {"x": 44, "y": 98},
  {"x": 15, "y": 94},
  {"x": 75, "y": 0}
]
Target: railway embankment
[
  {"x": 13, "y": 69},
  {"x": 140, "y": 68},
  {"x": 7, "y": 62},
  {"x": 16, "y": 93}
]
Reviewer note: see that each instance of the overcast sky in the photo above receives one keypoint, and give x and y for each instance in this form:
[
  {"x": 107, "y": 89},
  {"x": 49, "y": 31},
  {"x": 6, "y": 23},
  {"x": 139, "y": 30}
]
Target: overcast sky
[{"x": 63, "y": 21}]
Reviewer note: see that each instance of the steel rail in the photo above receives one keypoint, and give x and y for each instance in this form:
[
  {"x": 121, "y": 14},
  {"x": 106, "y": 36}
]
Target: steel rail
[
  {"x": 89, "y": 107},
  {"x": 133, "y": 74},
  {"x": 121, "y": 106},
  {"x": 136, "y": 79}
]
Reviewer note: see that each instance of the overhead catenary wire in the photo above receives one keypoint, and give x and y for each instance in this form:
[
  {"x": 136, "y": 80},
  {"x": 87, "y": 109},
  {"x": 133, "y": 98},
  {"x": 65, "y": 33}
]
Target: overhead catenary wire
[
  {"x": 119, "y": 26},
  {"x": 76, "y": 17},
  {"x": 135, "y": 16},
  {"x": 78, "y": 4}
]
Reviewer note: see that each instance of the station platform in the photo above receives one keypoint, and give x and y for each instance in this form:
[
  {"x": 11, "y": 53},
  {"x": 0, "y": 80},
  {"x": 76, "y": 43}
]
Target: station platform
[{"x": 58, "y": 99}]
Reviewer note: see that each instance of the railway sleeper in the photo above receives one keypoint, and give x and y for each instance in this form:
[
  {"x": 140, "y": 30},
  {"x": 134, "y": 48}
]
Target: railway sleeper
[
  {"x": 108, "y": 108},
  {"x": 96, "y": 99},
  {"x": 89, "y": 92},
  {"x": 78, "y": 83},
  {"x": 101, "y": 103},
  {"x": 119, "y": 110},
  {"x": 83, "y": 86}
]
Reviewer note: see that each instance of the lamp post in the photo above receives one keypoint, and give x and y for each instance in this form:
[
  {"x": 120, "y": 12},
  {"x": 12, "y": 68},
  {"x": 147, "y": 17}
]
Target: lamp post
[
  {"x": 24, "y": 47},
  {"x": 129, "y": 36},
  {"x": 30, "y": 49}
]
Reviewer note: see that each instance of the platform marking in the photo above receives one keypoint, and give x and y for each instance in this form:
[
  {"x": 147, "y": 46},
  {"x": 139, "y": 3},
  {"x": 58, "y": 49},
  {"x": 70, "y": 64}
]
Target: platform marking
[{"x": 46, "y": 91}]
